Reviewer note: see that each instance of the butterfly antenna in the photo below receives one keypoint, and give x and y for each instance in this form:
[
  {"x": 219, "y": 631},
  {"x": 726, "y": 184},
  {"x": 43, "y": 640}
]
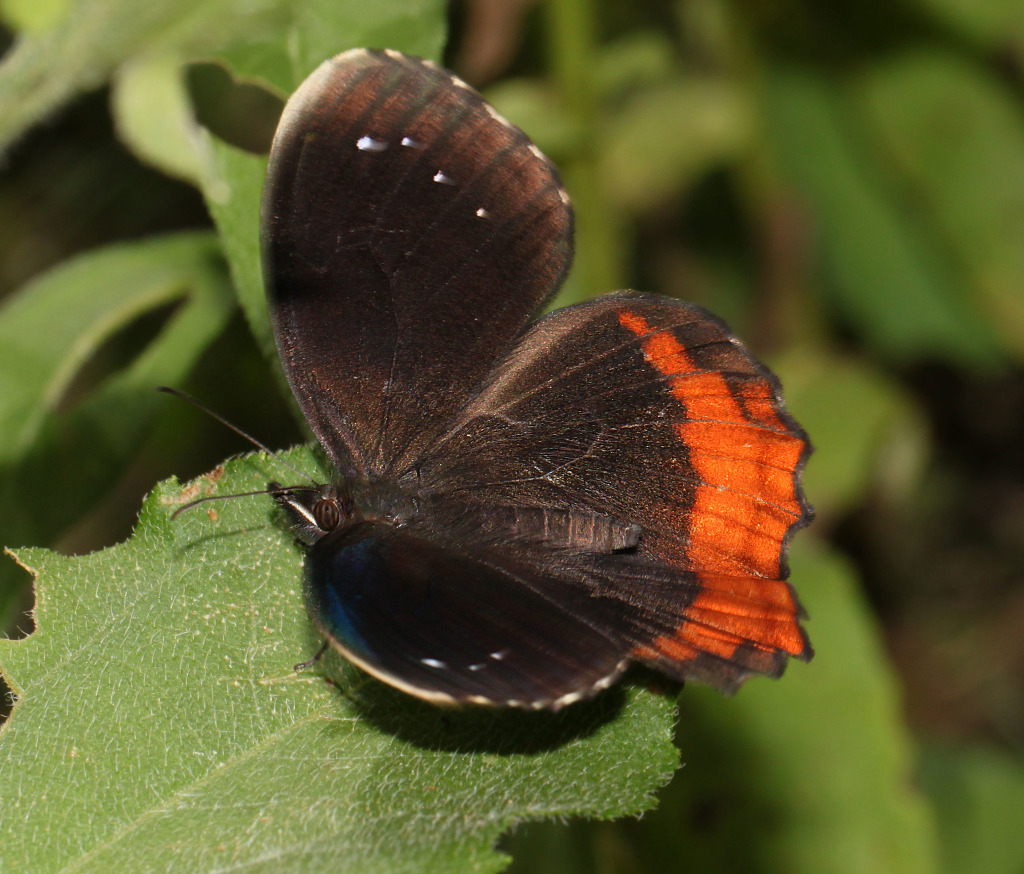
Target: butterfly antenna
[
  {"x": 272, "y": 489},
  {"x": 206, "y": 498},
  {"x": 201, "y": 406}
]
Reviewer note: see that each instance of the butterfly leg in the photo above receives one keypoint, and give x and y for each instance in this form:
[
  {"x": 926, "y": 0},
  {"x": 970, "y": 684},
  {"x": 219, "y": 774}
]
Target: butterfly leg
[{"x": 306, "y": 665}]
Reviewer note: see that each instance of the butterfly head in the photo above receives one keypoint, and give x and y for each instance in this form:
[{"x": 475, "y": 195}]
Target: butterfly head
[{"x": 314, "y": 511}]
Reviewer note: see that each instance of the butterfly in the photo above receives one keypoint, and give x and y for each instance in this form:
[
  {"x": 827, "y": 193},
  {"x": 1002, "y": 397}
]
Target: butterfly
[{"x": 521, "y": 508}]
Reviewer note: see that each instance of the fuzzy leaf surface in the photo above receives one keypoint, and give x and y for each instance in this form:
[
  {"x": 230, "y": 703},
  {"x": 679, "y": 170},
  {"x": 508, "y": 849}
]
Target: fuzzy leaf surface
[{"x": 160, "y": 725}]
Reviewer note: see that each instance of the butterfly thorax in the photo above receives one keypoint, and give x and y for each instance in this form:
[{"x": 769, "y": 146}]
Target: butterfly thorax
[{"x": 315, "y": 511}]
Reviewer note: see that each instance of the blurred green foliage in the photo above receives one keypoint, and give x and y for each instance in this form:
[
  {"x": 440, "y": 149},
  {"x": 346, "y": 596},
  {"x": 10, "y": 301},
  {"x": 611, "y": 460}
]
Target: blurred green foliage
[{"x": 843, "y": 182}]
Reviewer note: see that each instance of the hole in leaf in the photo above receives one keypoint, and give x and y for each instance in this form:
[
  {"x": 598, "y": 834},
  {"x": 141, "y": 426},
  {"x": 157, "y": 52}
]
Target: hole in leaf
[
  {"x": 17, "y": 620},
  {"x": 117, "y": 352},
  {"x": 243, "y": 114},
  {"x": 6, "y": 701}
]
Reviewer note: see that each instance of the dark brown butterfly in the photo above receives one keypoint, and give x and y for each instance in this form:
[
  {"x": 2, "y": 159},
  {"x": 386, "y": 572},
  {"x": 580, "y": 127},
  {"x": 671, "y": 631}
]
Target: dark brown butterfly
[{"x": 522, "y": 508}]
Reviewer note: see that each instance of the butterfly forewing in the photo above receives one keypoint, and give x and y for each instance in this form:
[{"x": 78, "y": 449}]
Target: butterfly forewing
[{"x": 409, "y": 234}]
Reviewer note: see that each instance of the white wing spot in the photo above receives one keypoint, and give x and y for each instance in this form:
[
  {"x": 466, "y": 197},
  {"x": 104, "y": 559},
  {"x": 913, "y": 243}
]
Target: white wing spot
[
  {"x": 563, "y": 196},
  {"x": 433, "y": 663},
  {"x": 369, "y": 144},
  {"x": 497, "y": 116},
  {"x": 537, "y": 153},
  {"x": 459, "y": 83},
  {"x": 477, "y": 667},
  {"x": 439, "y": 176},
  {"x": 394, "y": 55},
  {"x": 353, "y": 53},
  {"x": 410, "y": 143},
  {"x": 499, "y": 654},
  {"x": 482, "y": 213},
  {"x": 571, "y": 698}
]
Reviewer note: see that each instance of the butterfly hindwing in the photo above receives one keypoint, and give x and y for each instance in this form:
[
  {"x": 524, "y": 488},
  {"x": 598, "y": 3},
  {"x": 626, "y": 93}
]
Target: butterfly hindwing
[
  {"x": 453, "y": 621},
  {"x": 649, "y": 411}
]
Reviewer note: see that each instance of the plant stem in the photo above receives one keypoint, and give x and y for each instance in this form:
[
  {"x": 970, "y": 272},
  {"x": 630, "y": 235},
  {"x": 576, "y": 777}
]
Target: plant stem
[{"x": 600, "y": 251}]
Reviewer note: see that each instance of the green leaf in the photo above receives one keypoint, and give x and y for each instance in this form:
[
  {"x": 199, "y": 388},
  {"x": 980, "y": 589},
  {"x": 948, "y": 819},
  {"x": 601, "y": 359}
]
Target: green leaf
[
  {"x": 276, "y": 42},
  {"x": 315, "y": 30},
  {"x": 978, "y": 796},
  {"x": 956, "y": 137},
  {"x": 634, "y": 60},
  {"x": 32, "y": 16},
  {"x": 51, "y": 327},
  {"x": 160, "y": 725},
  {"x": 49, "y": 330},
  {"x": 891, "y": 279},
  {"x": 662, "y": 140},
  {"x": 153, "y": 114},
  {"x": 81, "y": 51},
  {"x": 236, "y": 213}
]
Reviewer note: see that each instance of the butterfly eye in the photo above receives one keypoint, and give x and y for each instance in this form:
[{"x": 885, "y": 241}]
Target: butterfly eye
[{"x": 327, "y": 514}]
